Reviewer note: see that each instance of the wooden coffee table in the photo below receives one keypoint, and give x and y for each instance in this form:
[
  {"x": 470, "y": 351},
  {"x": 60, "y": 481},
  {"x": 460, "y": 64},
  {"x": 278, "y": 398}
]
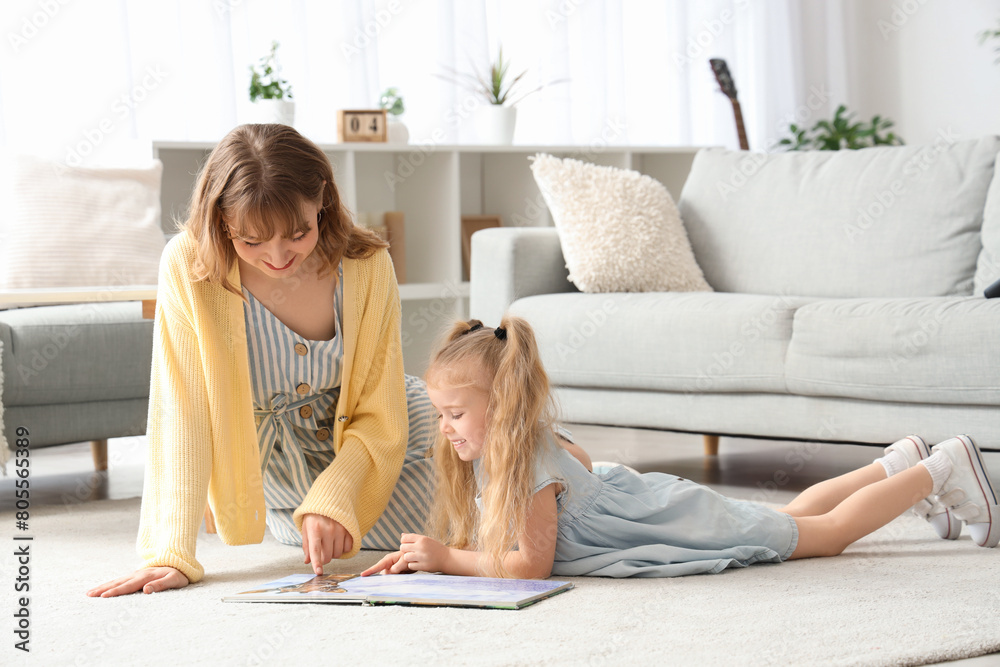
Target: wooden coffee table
[{"x": 56, "y": 296}]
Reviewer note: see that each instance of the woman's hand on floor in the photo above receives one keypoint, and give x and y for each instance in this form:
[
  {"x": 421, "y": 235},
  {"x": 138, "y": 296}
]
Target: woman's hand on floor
[
  {"x": 147, "y": 579},
  {"x": 323, "y": 539}
]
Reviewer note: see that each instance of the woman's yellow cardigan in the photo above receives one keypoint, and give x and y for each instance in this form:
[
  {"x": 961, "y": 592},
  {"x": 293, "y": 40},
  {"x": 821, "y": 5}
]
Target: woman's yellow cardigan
[{"x": 201, "y": 431}]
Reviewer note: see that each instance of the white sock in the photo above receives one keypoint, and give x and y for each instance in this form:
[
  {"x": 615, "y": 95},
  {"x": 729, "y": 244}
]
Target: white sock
[
  {"x": 939, "y": 466},
  {"x": 893, "y": 462}
]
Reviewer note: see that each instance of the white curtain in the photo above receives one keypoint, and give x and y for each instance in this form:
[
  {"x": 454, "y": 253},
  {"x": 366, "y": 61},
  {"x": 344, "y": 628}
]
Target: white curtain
[{"x": 86, "y": 80}]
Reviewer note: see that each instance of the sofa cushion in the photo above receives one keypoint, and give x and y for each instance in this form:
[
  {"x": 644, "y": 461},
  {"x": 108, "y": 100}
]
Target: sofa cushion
[
  {"x": 75, "y": 354},
  {"x": 988, "y": 266},
  {"x": 693, "y": 342},
  {"x": 620, "y": 230},
  {"x": 930, "y": 350},
  {"x": 899, "y": 221},
  {"x": 100, "y": 226}
]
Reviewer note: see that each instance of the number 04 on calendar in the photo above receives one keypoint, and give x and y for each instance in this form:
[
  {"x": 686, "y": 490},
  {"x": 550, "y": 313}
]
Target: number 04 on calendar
[{"x": 361, "y": 125}]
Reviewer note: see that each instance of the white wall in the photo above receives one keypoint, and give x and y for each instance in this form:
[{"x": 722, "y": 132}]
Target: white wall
[{"x": 920, "y": 63}]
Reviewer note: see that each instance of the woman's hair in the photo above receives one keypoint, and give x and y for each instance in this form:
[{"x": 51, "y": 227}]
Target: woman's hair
[
  {"x": 255, "y": 182},
  {"x": 504, "y": 363}
]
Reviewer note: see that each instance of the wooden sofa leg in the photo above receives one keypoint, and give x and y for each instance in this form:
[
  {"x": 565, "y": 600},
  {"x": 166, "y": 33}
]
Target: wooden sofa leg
[
  {"x": 711, "y": 445},
  {"x": 209, "y": 520},
  {"x": 99, "y": 450}
]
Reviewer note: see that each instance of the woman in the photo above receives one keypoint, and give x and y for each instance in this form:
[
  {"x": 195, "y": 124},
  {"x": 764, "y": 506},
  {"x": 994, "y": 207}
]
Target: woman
[{"x": 277, "y": 387}]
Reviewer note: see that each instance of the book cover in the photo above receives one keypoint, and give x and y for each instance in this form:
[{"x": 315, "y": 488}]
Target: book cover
[{"x": 408, "y": 589}]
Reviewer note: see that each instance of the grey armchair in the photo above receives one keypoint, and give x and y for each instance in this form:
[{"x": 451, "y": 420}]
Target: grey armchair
[{"x": 75, "y": 373}]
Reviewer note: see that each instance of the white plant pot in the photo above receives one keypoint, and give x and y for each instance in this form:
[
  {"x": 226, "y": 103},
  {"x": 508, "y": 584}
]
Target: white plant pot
[
  {"x": 396, "y": 132},
  {"x": 274, "y": 111},
  {"x": 495, "y": 124}
]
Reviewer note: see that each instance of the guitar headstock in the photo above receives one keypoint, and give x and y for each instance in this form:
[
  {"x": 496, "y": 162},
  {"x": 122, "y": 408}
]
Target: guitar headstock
[{"x": 721, "y": 71}]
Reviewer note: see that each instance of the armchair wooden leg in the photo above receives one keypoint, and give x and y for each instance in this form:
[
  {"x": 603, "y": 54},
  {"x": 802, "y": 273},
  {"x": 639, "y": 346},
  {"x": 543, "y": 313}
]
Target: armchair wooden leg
[
  {"x": 209, "y": 520},
  {"x": 99, "y": 450},
  {"x": 711, "y": 445}
]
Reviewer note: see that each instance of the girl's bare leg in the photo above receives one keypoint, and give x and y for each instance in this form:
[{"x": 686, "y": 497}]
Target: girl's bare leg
[
  {"x": 861, "y": 513},
  {"x": 823, "y": 497}
]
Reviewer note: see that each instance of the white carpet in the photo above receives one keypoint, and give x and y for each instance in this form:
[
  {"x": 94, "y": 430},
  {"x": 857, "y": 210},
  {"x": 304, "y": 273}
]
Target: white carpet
[{"x": 901, "y": 596}]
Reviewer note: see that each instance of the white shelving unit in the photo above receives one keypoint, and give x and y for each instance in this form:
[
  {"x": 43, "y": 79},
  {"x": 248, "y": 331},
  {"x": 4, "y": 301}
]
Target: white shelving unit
[{"x": 434, "y": 186}]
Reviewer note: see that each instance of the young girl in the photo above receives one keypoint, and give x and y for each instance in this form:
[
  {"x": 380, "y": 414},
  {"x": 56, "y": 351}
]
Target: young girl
[
  {"x": 277, "y": 390},
  {"x": 511, "y": 502}
]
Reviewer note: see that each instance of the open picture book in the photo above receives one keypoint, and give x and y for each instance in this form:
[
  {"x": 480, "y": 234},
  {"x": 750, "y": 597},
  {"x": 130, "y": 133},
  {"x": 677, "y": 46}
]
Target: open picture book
[{"x": 409, "y": 589}]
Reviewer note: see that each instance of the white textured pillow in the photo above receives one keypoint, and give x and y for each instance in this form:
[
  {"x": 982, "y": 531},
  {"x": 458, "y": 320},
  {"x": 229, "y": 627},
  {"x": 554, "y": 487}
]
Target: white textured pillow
[
  {"x": 619, "y": 230},
  {"x": 64, "y": 226}
]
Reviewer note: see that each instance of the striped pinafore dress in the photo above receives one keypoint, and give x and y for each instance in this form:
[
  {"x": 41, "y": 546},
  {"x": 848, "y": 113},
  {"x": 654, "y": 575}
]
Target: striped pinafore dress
[{"x": 296, "y": 383}]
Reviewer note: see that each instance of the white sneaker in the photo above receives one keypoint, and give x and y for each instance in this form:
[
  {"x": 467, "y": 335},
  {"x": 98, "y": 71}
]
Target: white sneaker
[
  {"x": 945, "y": 523},
  {"x": 968, "y": 491}
]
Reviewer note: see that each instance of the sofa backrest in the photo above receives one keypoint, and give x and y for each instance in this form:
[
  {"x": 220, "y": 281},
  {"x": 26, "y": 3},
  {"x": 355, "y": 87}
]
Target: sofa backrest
[{"x": 890, "y": 221}]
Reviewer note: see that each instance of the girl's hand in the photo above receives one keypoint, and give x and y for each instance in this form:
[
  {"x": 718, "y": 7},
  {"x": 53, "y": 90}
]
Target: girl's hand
[
  {"x": 420, "y": 552},
  {"x": 390, "y": 564},
  {"x": 148, "y": 579},
  {"x": 323, "y": 539}
]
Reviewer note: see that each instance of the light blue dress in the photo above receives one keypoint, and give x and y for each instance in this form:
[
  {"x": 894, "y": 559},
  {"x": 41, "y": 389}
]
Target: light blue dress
[
  {"x": 296, "y": 384},
  {"x": 620, "y": 524}
]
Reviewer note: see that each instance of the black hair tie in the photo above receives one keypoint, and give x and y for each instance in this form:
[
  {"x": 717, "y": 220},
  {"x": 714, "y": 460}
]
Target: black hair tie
[
  {"x": 475, "y": 327},
  {"x": 500, "y": 333}
]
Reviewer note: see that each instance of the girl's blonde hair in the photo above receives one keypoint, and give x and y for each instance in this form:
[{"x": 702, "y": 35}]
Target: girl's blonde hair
[
  {"x": 254, "y": 183},
  {"x": 505, "y": 363}
]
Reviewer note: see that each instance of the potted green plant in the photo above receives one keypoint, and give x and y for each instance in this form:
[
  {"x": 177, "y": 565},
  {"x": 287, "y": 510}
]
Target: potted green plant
[
  {"x": 270, "y": 94},
  {"x": 841, "y": 133},
  {"x": 994, "y": 34},
  {"x": 395, "y": 130},
  {"x": 501, "y": 90}
]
